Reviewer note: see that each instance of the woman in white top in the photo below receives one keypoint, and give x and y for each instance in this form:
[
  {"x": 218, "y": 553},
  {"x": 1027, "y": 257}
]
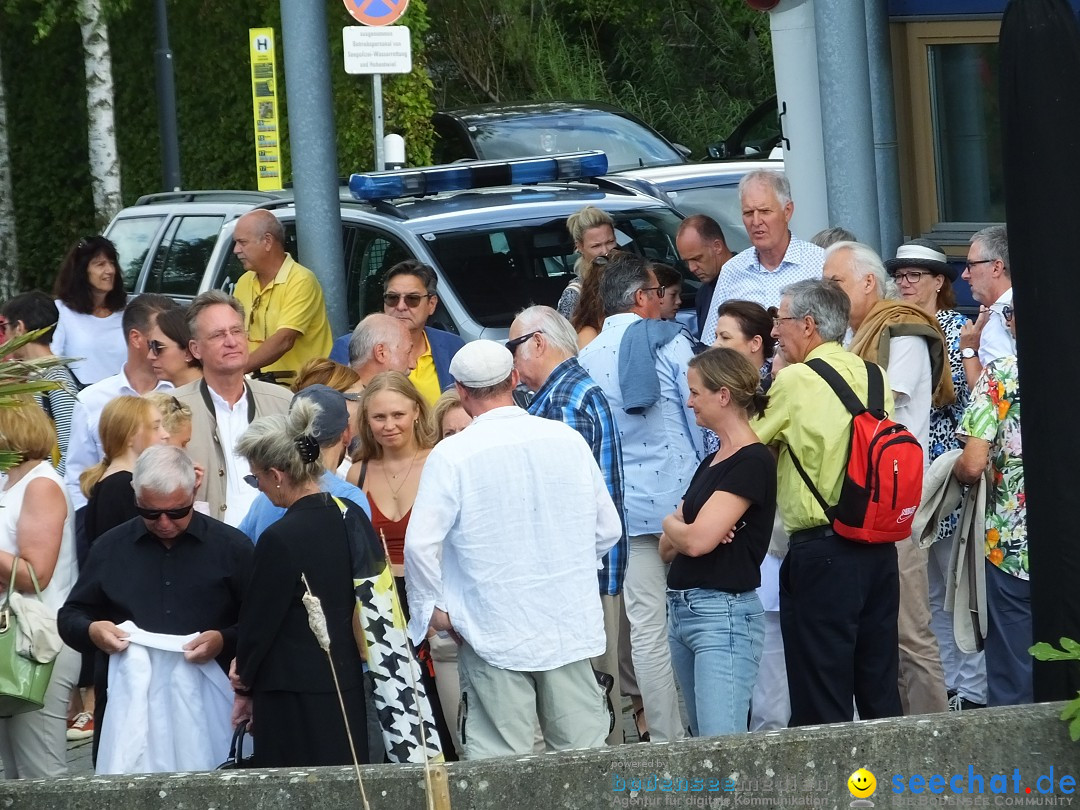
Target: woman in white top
[
  {"x": 36, "y": 527},
  {"x": 90, "y": 296}
]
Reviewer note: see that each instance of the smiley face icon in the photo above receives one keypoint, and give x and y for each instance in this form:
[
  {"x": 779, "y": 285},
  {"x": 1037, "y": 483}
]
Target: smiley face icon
[{"x": 862, "y": 784}]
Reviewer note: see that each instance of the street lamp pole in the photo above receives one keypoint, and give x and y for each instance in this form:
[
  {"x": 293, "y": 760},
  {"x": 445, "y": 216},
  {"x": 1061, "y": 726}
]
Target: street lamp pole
[{"x": 166, "y": 97}]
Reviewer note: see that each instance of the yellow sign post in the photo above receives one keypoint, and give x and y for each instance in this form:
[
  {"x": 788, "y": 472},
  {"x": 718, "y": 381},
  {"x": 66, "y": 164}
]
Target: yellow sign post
[{"x": 264, "y": 99}]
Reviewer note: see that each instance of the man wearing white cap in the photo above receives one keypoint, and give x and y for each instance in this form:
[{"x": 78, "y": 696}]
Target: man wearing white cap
[{"x": 510, "y": 523}]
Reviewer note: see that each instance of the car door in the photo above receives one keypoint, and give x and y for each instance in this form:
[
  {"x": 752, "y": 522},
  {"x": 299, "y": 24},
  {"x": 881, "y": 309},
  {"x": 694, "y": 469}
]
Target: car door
[{"x": 180, "y": 259}]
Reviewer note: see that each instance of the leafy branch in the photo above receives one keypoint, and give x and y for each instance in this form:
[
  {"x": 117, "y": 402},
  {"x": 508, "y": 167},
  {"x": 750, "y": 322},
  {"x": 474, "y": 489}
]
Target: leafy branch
[{"x": 1070, "y": 651}]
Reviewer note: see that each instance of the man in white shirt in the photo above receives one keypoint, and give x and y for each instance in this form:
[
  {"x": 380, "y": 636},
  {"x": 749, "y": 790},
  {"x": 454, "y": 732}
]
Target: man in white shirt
[
  {"x": 136, "y": 378},
  {"x": 916, "y": 365},
  {"x": 511, "y": 520},
  {"x": 223, "y": 403},
  {"x": 987, "y": 272},
  {"x": 775, "y": 258},
  {"x": 640, "y": 363}
]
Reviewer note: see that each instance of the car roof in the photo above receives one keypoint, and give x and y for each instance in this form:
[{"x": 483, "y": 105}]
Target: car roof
[
  {"x": 496, "y": 112},
  {"x": 689, "y": 175}
]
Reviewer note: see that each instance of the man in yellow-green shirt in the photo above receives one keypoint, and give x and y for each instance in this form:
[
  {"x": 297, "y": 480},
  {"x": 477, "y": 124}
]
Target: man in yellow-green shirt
[
  {"x": 283, "y": 301},
  {"x": 409, "y": 294},
  {"x": 838, "y": 598}
]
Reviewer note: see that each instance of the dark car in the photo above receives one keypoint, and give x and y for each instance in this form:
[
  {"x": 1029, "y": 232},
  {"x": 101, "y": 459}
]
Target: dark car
[{"x": 501, "y": 132}]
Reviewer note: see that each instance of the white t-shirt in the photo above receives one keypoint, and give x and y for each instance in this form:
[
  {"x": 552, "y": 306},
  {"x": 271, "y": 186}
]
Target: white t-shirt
[
  {"x": 997, "y": 340},
  {"x": 909, "y": 378},
  {"x": 99, "y": 342}
]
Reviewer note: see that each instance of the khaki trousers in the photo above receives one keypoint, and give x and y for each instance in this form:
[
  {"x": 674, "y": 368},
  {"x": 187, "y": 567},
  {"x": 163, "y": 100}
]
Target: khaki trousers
[{"x": 921, "y": 677}]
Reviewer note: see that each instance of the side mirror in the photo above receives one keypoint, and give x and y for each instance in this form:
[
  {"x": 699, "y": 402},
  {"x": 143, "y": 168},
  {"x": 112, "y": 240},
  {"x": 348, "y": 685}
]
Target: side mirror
[
  {"x": 717, "y": 151},
  {"x": 683, "y": 150}
]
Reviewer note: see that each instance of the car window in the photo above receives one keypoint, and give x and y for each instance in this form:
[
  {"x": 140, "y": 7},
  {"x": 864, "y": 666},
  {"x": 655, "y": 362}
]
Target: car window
[
  {"x": 628, "y": 144},
  {"x": 368, "y": 255},
  {"x": 450, "y": 142},
  {"x": 133, "y": 237},
  {"x": 496, "y": 272},
  {"x": 722, "y": 203},
  {"x": 181, "y": 258}
]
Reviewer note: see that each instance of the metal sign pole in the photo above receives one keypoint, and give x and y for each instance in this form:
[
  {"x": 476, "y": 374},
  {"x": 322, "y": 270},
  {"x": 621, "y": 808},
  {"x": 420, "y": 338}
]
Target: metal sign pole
[{"x": 376, "y": 106}]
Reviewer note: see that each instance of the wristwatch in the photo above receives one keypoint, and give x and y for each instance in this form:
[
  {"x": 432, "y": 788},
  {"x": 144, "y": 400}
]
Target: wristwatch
[{"x": 967, "y": 353}]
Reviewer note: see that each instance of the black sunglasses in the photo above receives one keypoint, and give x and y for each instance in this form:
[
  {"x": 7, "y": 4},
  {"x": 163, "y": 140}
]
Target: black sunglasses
[
  {"x": 251, "y": 480},
  {"x": 512, "y": 345},
  {"x": 171, "y": 514},
  {"x": 156, "y": 347}
]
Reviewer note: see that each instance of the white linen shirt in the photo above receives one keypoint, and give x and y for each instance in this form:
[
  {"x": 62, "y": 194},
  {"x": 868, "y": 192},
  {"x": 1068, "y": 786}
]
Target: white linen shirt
[
  {"x": 510, "y": 522},
  {"x": 744, "y": 278},
  {"x": 84, "y": 442},
  {"x": 232, "y": 421},
  {"x": 663, "y": 446}
]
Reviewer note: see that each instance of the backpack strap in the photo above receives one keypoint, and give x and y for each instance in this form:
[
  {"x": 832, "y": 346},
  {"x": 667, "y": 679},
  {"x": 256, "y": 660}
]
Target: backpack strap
[
  {"x": 810, "y": 484},
  {"x": 875, "y": 400}
]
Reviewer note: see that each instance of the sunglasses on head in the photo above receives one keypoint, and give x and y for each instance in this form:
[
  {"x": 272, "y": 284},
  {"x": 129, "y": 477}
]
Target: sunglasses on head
[
  {"x": 171, "y": 514},
  {"x": 412, "y": 300}
]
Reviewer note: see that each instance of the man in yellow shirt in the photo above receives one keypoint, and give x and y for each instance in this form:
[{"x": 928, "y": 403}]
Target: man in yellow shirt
[
  {"x": 838, "y": 598},
  {"x": 409, "y": 295},
  {"x": 286, "y": 315}
]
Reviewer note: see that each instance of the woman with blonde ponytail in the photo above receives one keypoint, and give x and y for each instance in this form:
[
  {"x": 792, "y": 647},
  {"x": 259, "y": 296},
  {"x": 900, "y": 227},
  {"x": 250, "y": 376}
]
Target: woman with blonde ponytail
[{"x": 128, "y": 426}]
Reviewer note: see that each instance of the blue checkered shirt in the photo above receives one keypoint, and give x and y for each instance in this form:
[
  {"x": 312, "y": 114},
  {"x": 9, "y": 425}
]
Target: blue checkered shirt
[
  {"x": 570, "y": 395},
  {"x": 743, "y": 278}
]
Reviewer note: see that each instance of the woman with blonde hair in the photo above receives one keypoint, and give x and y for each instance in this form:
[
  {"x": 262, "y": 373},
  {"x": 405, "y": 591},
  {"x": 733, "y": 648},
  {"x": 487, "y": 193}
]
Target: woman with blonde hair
[
  {"x": 322, "y": 371},
  {"x": 128, "y": 426},
  {"x": 396, "y": 433},
  {"x": 175, "y": 417},
  {"x": 448, "y": 416},
  {"x": 593, "y": 232},
  {"x": 36, "y": 528}
]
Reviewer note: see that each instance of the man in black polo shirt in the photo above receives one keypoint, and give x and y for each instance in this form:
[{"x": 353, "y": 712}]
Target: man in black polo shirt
[{"x": 171, "y": 570}]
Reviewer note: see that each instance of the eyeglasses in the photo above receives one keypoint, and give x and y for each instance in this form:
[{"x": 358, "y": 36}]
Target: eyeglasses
[
  {"x": 969, "y": 265},
  {"x": 1007, "y": 311},
  {"x": 911, "y": 276},
  {"x": 659, "y": 290},
  {"x": 156, "y": 347},
  {"x": 776, "y": 321},
  {"x": 171, "y": 514},
  {"x": 512, "y": 345},
  {"x": 412, "y": 300},
  {"x": 4, "y": 326},
  {"x": 252, "y": 480},
  {"x": 237, "y": 332}
]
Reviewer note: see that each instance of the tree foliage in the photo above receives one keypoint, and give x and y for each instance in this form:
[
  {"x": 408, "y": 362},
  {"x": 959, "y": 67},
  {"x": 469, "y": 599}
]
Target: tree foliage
[{"x": 691, "y": 68}]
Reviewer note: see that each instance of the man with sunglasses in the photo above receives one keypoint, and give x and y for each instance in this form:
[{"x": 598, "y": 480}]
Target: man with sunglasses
[
  {"x": 171, "y": 570},
  {"x": 287, "y": 323}
]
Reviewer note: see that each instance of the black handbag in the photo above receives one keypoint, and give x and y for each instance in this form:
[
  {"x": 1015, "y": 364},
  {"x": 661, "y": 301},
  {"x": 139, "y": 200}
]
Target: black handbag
[{"x": 236, "y": 751}]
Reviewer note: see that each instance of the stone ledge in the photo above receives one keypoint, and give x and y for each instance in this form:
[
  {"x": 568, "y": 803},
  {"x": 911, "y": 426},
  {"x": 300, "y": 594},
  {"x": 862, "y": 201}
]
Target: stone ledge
[{"x": 806, "y": 767}]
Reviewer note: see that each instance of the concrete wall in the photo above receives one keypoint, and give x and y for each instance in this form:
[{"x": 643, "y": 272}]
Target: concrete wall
[{"x": 796, "y": 768}]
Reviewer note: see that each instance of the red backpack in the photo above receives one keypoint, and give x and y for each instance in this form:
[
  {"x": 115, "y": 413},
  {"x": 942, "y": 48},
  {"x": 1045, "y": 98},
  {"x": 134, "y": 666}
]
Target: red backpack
[{"x": 883, "y": 482}]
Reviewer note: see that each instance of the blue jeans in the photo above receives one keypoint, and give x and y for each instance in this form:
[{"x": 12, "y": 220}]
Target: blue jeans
[{"x": 716, "y": 641}]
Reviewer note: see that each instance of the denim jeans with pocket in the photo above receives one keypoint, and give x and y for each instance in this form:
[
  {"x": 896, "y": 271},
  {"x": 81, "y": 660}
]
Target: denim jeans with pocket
[{"x": 716, "y": 641}]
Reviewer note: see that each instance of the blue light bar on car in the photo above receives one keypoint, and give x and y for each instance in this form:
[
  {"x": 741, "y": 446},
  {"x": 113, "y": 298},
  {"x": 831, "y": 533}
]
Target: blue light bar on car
[{"x": 477, "y": 174}]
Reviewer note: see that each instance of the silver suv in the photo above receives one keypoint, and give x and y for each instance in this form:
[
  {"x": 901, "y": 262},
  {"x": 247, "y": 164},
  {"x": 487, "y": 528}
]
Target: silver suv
[{"x": 496, "y": 248}]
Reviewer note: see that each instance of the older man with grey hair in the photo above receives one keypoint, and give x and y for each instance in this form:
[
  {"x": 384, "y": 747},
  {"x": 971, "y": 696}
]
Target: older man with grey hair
[
  {"x": 640, "y": 363},
  {"x": 908, "y": 342},
  {"x": 545, "y": 349},
  {"x": 379, "y": 343},
  {"x": 989, "y": 275},
  {"x": 511, "y": 519},
  {"x": 775, "y": 257},
  {"x": 838, "y": 599},
  {"x": 171, "y": 570}
]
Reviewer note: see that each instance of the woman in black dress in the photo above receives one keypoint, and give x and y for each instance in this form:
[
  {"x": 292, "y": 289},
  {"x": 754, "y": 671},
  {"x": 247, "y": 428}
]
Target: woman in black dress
[{"x": 287, "y": 687}]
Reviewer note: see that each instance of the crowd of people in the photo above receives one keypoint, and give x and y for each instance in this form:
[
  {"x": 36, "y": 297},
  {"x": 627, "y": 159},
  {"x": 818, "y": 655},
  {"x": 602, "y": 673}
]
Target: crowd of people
[{"x": 610, "y": 504}]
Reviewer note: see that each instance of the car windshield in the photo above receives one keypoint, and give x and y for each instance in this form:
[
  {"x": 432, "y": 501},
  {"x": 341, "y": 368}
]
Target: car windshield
[
  {"x": 628, "y": 144},
  {"x": 498, "y": 271}
]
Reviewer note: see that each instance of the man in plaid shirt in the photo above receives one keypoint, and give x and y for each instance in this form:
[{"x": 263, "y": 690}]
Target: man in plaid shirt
[{"x": 544, "y": 346}]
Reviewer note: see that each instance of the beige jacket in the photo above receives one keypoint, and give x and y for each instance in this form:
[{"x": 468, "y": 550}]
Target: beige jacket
[{"x": 205, "y": 447}]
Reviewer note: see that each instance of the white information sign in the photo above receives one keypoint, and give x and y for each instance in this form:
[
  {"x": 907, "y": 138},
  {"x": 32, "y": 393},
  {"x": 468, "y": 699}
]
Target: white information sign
[{"x": 370, "y": 50}]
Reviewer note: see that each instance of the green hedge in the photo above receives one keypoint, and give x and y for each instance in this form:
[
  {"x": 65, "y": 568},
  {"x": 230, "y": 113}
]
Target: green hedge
[{"x": 209, "y": 41}]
